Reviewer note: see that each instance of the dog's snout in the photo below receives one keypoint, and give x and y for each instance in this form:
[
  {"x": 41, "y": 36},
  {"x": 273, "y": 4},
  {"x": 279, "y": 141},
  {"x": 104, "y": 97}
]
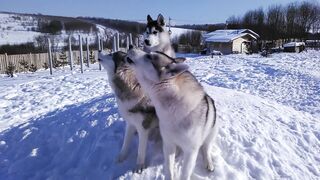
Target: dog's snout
[{"x": 147, "y": 42}]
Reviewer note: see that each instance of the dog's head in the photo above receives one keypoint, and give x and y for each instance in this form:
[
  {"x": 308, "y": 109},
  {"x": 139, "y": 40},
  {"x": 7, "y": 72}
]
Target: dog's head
[
  {"x": 112, "y": 62},
  {"x": 155, "y": 66},
  {"x": 155, "y": 32}
]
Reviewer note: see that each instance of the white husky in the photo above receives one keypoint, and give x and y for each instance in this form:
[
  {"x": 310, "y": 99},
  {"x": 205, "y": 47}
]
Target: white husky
[
  {"x": 187, "y": 115},
  {"x": 133, "y": 105},
  {"x": 156, "y": 38}
]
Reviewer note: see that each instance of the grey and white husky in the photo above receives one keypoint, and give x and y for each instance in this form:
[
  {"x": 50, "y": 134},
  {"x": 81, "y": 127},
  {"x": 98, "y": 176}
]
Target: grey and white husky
[
  {"x": 187, "y": 115},
  {"x": 134, "y": 106},
  {"x": 156, "y": 37}
]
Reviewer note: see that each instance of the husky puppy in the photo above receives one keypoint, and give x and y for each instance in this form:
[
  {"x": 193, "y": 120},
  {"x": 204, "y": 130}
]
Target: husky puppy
[
  {"x": 134, "y": 106},
  {"x": 156, "y": 38},
  {"x": 187, "y": 115}
]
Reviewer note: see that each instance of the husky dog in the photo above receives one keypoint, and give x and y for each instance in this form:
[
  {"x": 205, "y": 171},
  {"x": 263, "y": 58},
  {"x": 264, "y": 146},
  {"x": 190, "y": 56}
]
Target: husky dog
[
  {"x": 187, "y": 115},
  {"x": 133, "y": 105},
  {"x": 156, "y": 38}
]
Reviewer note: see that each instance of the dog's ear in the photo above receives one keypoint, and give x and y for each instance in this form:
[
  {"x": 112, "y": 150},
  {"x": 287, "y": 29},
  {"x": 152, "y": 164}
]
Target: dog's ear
[
  {"x": 179, "y": 59},
  {"x": 149, "y": 18},
  {"x": 174, "y": 69},
  {"x": 160, "y": 20}
]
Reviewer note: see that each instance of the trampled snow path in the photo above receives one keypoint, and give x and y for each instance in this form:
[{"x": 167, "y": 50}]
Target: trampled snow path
[{"x": 66, "y": 126}]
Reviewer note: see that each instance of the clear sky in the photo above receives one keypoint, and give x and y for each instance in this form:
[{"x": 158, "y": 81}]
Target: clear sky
[{"x": 181, "y": 11}]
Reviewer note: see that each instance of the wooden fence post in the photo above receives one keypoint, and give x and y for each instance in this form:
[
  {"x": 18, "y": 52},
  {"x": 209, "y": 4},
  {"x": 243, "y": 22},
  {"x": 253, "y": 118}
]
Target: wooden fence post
[
  {"x": 130, "y": 39},
  {"x": 88, "y": 52},
  {"x": 50, "y": 56},
  {"x": 99, "y": 44},
  {"x": 6, "y": 60},
  {"x": 137, "y": 42},
  {"x": 99, "y": 49},
  {"x": 70, "y": 54},
  {"x": 81, "y": 55},
  {"x": 128, "y": 42},
  {"x": 118, "y": 41}
]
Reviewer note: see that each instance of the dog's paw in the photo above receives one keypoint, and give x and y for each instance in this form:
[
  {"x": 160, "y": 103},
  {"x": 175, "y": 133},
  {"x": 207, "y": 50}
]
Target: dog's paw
[
  {"x": 210, "y": 167},
  {"x": 121, "y": 158},
  {"x": 139, "y": 168}
]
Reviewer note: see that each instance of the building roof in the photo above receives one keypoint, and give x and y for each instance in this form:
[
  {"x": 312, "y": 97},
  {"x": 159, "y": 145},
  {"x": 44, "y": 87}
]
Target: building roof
[{"x": 228, "y": 35}]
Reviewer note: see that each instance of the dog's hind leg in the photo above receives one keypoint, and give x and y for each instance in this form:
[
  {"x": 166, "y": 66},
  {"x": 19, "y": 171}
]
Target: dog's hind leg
[
  {"x": 130, "y": 130},
  {"x": 189, "y": 162},
  {"x": 143, "y": 140},
  {"x": 207, "y": 158}
]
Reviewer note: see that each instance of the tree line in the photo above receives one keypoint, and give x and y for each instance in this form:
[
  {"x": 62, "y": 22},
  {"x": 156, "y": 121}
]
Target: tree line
[{"x": 297, "y": 20}]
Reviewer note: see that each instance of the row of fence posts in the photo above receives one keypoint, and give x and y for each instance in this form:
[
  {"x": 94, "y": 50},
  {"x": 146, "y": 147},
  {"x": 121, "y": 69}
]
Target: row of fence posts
[{"x": 115, "y": 48}]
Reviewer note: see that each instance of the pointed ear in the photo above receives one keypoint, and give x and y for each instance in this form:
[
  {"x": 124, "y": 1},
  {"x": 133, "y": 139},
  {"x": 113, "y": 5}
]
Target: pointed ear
[
  {"x": 149, "y": 18},
  {"x": 179, "y": 59},
  {"x": 176, "y": 68},
  {"x": 160, "y": 20}
]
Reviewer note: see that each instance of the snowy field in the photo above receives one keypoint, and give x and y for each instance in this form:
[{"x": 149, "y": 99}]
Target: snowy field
[
  {"x": 66, "y": 126},
  {"x": 19, "y": 29}
]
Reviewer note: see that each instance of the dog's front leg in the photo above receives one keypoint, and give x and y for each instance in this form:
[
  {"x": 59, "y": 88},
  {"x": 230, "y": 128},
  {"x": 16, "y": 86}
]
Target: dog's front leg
[
  {"x": 169, "y": 152},
  {"x": 130, "y": 130},
  {"x": 142, "y": 148},
  {"x": 189, "y": 162}
]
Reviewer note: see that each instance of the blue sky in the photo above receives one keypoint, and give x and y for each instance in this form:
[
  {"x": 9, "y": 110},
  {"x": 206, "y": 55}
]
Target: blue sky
[{"x": 182, "y": 11}]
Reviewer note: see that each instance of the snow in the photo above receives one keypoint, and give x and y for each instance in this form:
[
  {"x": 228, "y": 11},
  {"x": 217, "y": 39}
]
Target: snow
[
  {"x": 176, "y": 32},
  {"x": 18, "y": 29},
  {"x": 228, "y": 35},
  {"x": 66, "y": 126}
]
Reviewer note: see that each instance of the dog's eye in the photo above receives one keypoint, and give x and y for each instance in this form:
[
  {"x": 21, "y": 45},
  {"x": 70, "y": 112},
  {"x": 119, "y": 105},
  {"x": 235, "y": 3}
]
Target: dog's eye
[{"x": 154, "y": 32}]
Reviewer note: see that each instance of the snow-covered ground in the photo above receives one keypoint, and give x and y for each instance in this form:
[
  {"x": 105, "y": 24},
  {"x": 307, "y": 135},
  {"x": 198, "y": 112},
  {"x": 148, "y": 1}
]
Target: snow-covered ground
[
  {"x": 176, "y": 32},
  {"x": 66, "y": 126}
]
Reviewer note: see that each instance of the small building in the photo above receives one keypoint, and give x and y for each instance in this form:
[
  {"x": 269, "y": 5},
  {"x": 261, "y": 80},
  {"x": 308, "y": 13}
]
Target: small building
[
  {"x": 294, "y": 47},
  {"x": 230, "y": 41}
]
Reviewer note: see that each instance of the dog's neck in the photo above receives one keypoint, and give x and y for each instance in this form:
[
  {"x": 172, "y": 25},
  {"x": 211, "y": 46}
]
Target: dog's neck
[{"x": 175, "y": 95}]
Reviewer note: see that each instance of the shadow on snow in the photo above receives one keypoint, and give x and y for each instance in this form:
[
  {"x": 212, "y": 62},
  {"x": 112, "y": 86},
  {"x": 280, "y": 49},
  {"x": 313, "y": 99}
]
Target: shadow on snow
[{"x": 80, "y": 141}]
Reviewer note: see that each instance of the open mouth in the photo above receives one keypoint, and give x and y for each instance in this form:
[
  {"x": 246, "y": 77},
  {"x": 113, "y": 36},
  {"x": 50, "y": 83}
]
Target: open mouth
[{"x": 129, "y": 60}]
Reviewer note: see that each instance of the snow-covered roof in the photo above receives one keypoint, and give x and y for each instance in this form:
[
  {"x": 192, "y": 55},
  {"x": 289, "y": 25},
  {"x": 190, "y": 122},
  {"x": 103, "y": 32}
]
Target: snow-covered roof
[
  {"x": 294, "y": 44},
  {"x": 227, "y": 35}
]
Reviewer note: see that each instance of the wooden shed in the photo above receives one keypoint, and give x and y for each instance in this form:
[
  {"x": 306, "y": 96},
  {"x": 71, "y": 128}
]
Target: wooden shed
[{"x": 230, "y": 41}]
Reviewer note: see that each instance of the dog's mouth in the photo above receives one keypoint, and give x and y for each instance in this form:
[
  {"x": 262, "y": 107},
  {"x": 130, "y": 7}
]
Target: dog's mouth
[
  {"x": 147, "y": 42},
  {"x": 129, "y": 60}
]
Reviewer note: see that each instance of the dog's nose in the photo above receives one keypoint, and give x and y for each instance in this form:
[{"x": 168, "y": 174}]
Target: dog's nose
[{"x": 147, "y": 42}]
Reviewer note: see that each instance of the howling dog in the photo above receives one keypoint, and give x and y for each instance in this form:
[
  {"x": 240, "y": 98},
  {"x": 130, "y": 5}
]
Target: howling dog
[
  {"x": 187, "y": 114},
  {"x": 134, "y": 106},
  {"x": 156, "y": 38}
]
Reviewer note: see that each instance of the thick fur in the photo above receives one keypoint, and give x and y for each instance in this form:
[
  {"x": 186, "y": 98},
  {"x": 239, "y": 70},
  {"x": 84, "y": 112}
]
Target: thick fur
[
  {"x": 156, "y": 38},
  {"x": 187, "y": 115},
  {"x": 134, "y": 106}
]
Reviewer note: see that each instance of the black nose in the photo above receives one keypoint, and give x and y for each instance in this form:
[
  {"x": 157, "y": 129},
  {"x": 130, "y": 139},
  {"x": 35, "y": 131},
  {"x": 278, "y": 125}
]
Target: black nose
[
  {"x": 130, "y": 47},
  {"x": 147, "y": 42}
]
